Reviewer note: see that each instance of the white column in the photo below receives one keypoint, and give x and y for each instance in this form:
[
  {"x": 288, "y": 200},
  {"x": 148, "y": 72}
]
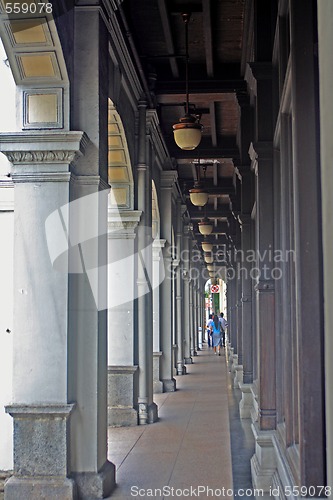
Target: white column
[
  {"x": 42, "y": 367},
  {"x": 122, "y": 371}
]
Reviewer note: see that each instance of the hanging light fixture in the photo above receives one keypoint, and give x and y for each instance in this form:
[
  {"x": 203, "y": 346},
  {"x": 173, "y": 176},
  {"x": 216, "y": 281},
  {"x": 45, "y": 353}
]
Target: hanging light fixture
[
  {"x": 187, "y": 132},
  {"x": 208, "y": 258},
  {"x": 205, "y": 226},
  {"x": 198, "y": 195},
  {"x": 206, "y": 246}
]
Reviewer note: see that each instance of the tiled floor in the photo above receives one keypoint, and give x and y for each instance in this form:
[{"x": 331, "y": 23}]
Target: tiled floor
[{"x": 189, "y": 447}]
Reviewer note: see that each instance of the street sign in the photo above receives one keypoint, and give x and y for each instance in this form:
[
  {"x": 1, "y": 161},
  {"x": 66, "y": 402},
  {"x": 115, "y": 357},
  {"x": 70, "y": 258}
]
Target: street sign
[{"x": 215, "y": 289}]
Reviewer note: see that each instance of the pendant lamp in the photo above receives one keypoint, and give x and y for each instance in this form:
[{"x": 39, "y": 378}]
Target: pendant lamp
[{"x": 188, "y": 131}]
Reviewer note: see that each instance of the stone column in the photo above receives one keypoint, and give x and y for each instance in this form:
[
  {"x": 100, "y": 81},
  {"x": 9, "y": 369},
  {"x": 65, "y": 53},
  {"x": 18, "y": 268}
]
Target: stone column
[
  {"x": 147, "y": 408},
  {"x": 187, "y": 301},
  {"x": 181, "y": 369},
  {"x": 122, "y": 371},
  {"x": 41, "y": 406},
  {"x": 158, "y": 245},
  {"x": 93, "y": 474},
  {"x": 168, "y": 179}
]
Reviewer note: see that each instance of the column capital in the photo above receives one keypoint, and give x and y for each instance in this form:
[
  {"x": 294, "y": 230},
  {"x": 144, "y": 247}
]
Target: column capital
[
  {"x": 168, "y": 178},
  {"x": 122, "y": 225},
  {"x": 43, "y": 148}
]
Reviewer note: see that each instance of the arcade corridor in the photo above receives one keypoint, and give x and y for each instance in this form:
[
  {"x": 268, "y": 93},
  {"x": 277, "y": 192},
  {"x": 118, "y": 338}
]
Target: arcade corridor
[
  {"x": 189, "y": 445},
  {"x": 154, "y": 152}
]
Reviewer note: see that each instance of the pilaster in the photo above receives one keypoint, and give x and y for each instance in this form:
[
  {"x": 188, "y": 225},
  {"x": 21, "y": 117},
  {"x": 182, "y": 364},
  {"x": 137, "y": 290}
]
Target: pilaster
[{"x": 262, "y": 165}]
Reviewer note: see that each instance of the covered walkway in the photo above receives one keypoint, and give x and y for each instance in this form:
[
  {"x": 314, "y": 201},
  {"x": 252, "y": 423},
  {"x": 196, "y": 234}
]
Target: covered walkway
[{"x": 194, "y": 444}]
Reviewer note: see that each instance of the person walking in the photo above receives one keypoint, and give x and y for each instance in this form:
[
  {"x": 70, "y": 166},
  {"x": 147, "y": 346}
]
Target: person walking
[
  {"x": 209, "y": 330},
  {"x": 224, "y": 325},
  {"x": 217, "y": 335}
]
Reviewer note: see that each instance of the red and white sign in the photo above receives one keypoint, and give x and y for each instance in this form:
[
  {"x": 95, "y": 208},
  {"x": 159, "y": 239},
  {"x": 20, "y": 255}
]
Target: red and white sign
[{"x": 215, "y": 289}]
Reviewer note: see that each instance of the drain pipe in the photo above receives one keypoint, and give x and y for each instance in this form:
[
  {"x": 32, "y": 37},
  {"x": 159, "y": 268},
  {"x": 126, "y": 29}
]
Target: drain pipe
[{"x": 136, "y": 57}]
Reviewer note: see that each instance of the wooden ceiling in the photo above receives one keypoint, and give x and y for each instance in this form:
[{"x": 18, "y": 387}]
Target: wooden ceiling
[{"x": 215, "y": 81}]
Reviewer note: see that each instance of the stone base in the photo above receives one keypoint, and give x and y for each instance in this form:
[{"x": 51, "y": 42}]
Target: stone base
[
  {"x": 51, "y": 488},
  {"x": 246, "y": 404},
  {"x": 122, "y": 417},
  {"x": 152, "y": 413},
  {"x": 194, "y": 353},
  {"x": 4, "y": 476},
  {"x": 188, "y": 361},
  {"x": 169, "y": 385},
  {"x": 181, "y": 369},
  {"x": 122, "y": 396},
  {"x": 157, "y": 384},
  {"x": 238, "y": 379},
  {"x": 94, "y": 484}
]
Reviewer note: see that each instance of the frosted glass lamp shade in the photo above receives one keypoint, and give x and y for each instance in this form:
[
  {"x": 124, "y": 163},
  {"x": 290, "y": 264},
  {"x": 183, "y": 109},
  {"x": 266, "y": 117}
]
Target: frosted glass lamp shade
[
  {"x": 205, "y": 226},
  {"x": 209, "y": 259},
  {"x": 187, "y": 133},
  {"x": 206, "y": 247}
]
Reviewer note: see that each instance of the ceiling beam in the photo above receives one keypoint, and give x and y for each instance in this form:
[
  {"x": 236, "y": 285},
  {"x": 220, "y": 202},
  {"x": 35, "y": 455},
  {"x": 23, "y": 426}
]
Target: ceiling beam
[
  {"x": 168, "y": 37},
  {"x": 221, "y": 213},
  {"x": 207, "y": 27},
  {"x": 214, "y": 87}
]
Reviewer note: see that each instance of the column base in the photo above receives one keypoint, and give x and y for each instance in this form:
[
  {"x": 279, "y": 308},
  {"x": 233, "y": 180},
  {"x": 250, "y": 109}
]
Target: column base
[
  {"x": 95, "y": 484},
  {"x": 152, "y": 413},
  {"x": 194, "y": 353},
  {"x": 263, "y": 463},
  {"x": 51, "y": 488},
  {"x": 157, "y": 384},
  {"x": 181, "y": 369},
  {"x": 122, "y": 396},
  {"x": 188, "y": 361},
  {"x": 246, "y": 407},
  {"x": 169, "y": 385},
  {"x": 122, "y": 417},
  {"x": 238, "y": 379},
  {"x": 148, "y": 414}
]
